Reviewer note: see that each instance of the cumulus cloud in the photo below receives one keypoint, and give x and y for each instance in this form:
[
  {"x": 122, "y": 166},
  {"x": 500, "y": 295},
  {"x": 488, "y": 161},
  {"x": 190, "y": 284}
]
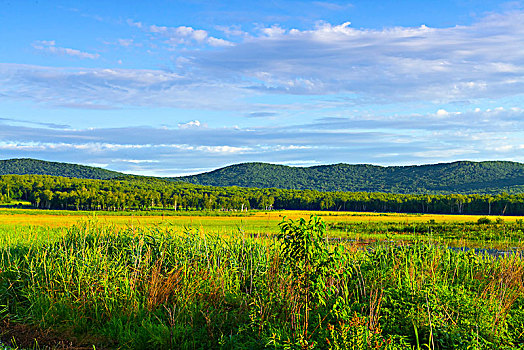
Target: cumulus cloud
[
  {"x": 50, "y": 46},
  {"x": 217, "y": 42},
  {"x": 442, "y": 113},
  {"x": 184, "y": 35},
  {"x": 273, "y": 31},
  {"x": 191, "y": 124}
]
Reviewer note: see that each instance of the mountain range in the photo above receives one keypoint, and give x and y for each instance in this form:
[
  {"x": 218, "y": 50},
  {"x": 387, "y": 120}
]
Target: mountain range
[{"x": 456, "y": 177}]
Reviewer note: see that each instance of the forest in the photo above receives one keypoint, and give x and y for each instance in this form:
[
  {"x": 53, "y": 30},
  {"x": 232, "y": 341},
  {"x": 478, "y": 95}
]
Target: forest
[
  {"x": 27, "y": 166},
  {"x": 445, "y": 178},
  {"x": 465, "y": 177},
  {"x": 53, "y": 192}
]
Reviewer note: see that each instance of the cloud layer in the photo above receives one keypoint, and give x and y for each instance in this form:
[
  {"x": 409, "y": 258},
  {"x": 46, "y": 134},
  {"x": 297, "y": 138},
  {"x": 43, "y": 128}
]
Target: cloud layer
[
  {"x": 193, "y": 147},
  {"x": 393, "y": 64},
  {"x": 401, "y": 64},
  {"x": 331, "y": 93}
]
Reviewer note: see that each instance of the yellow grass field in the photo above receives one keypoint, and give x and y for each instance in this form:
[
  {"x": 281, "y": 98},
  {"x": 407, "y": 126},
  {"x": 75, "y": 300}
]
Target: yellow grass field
[{"x": 258, "y": 222}]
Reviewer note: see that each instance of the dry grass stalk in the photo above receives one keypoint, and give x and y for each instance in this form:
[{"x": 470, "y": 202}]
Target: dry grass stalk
[{"x": 162, "y": 287}]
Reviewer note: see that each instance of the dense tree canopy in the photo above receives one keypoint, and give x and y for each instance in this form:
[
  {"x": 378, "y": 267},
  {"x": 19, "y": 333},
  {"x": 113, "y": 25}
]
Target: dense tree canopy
[
  {"x": 458, "y": 177},
  {"x": 144, "y": 193},
  {"x": 446, "y": 178},
  {"x": 26, "y": 166}
]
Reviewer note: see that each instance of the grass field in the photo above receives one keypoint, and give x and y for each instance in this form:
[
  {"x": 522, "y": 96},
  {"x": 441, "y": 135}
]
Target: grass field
[
  {"x": 142, "y": 281},
  {"x": 253, "y": 222},
  {"x": 352, "y": 225}
]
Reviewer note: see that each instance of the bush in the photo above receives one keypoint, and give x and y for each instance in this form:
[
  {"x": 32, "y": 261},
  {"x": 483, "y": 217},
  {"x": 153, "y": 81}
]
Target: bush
[{"x": 483, "y": 221}]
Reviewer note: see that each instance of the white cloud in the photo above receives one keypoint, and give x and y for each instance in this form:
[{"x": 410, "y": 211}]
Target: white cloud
[
  {"x": 191, "y": 124},
  {"x": 139, "y": 161},
  {"x": 505, "y": 148},
  {"x": 99, "y": 88},
  {"x": 408, "y": 139},
  {"x": 125, "y": 42},
  {"x": 290, "y": 147},
  {"x": 444, "y": 153},
  {"x": 484, "y": 59},
  {"x": 134, "y": 24},
  {"x": 273, "y": 31},
  {"x": 442, "y": 113},
  {"x": 50, "y": 46},
  {"x": 223, "y": 149},
  {"x": 218, "y": 42},
  {"x": 233, "y": 30},
  {"x": 184, "y": 35},
  {"x": 460, "y": 64}
]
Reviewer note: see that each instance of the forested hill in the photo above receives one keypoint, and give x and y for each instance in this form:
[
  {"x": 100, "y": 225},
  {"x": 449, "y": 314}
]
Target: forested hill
[
  {"x": 457, "y": 177},
  {"x": 25, "y": 166}
]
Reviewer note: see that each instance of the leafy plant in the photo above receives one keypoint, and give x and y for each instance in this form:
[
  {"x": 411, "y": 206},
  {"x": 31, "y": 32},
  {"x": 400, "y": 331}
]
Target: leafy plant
[
  {"x": 306, "y": 256},
  {"x": 483, "y": 221}
]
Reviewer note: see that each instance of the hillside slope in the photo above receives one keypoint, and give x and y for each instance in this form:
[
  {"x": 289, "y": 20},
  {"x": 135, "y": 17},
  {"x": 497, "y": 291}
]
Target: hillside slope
[
  {"x": 456, "y": 177},
  {"x": 26, "y": 166}
]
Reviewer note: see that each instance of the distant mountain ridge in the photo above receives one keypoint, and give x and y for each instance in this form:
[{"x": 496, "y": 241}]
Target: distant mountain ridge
[
  {"x": 456, "y": 177},
  {"x": 28, "y": 166}
]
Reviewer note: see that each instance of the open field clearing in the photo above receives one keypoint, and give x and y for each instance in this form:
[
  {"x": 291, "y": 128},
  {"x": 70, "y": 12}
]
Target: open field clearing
[
  {"x": 256, "y": 220},
  {"x": 456, "y": 230}
]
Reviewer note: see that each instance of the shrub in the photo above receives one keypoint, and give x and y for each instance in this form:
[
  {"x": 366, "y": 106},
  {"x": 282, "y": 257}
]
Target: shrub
[{"x": 483, "y": 221}]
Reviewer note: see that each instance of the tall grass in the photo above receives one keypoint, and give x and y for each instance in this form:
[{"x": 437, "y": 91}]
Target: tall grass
[{"x": 147, "y": 287}]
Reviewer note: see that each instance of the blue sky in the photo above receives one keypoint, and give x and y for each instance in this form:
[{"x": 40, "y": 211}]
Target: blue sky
[{"x": 178, "y": 87}]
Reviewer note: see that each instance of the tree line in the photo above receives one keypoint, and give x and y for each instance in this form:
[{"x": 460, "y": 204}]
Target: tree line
[{"x": 53, "y": 192}]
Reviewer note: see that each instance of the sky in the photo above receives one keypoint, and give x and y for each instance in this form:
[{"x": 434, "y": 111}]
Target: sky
[{"x": 170, "y": 88}]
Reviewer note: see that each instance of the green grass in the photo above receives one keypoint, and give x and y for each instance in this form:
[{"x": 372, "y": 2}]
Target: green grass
[
  {"x": 483, "y": 233},
  {"x": 146, "y": 287}
]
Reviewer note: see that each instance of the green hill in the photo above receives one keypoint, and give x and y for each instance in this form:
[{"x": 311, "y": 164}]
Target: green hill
[
  {"x": 456, "y": 177},
  {"x": 27, "y": 166}
]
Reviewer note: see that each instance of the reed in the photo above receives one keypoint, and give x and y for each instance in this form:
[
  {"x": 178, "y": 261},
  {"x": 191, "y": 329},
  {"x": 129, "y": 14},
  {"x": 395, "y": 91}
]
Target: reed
[{"x": 145, "y": 287}]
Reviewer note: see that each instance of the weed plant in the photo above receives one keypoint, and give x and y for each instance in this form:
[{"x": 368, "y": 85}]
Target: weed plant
[{"x": 147, "y": 287}]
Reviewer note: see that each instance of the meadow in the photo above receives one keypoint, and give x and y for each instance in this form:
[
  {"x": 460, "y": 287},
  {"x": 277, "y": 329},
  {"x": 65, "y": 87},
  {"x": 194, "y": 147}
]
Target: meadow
[
  {"x": 259, "y": 280},
  {"x": 455, "y": 230}
]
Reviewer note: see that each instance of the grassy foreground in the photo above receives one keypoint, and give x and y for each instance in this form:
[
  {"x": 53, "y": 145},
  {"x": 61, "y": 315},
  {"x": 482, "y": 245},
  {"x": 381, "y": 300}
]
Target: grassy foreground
[{"x": 145, "y": 287}]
